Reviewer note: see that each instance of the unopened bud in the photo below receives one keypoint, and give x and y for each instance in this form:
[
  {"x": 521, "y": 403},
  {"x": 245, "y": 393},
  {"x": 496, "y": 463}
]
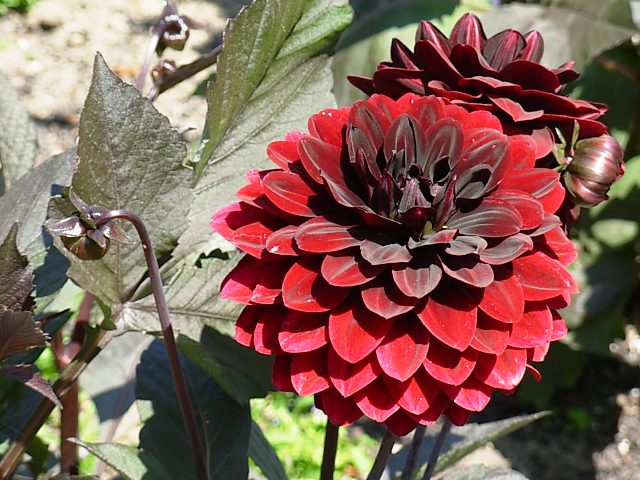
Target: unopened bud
[
  {"x": 595, "y": 164},
  {"x": 82, "y": 236},
  {"x": 174, "y": 32}
]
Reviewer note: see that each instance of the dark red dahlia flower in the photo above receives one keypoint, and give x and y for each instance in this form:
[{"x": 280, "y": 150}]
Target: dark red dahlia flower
[
  {"x": 501, "y": 74},
  {"x": 404, "y": 261}
]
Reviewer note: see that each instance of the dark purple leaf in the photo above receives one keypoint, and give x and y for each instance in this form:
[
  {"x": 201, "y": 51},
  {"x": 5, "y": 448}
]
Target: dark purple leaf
[
  {"x": 30, "y": 377},
  {"x": 16, "y": 274},
  {"x": 19, "y": 333}
]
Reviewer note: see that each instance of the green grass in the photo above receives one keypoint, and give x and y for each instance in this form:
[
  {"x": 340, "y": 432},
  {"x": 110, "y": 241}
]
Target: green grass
[
  {"x": 19, "y": 5},
  {"x": 296, "y": 430}
]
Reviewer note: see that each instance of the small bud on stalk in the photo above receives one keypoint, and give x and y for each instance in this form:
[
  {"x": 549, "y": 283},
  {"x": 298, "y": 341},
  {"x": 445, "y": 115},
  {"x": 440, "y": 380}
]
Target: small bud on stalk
[
  {"x": 81, "y": 236},
  {"x": 595, "y": 164}
]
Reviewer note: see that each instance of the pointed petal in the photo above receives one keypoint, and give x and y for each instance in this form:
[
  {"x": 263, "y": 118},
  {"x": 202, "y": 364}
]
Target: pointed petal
[
  {"x": 507, "y": 250},
  {"x": 281, "y": 373},
  {"x": 529, "y": 207},
  {"x": 492, "y": 218},
  {"x": 269, "y": 285},
  {"x": 472, "y": 395},
  {"x": 303, "y": 332},
  {"x": 418, "y": 278},
  {"x": 503, "y": 299},
  {"x": 542, "y": 277},
  {"x": 503, "y": 48},
  {"x": 534, "y": 47},
  {"x": 304, "y": 289},
  {"x": 534, "y": 329},
  {"x": 504, "y": 371},
  {"x": 289, "y": 193},
  {"x": 246, "y": 324},
  {"x": 468, "y": 269},
  {"x": 341, "y": 411},
  {"x": 428, "y": 31},
  {"x": 283, "y": 153},
  {"x": 382, "y": 297},
  {"x": 491, "y": 336},
  {"x": 376, "y": 401},
  {"x": 400, "y": 423},
  {"x": 309, "y": 372},
  {"x": 354, "y": 332},
  {"x": 451, "y": 318},
  {"x": 419, "y": 393},
  {"x": 281, "y": 242},
  {"x": 319, "y": 235},
  {"x": 404, "y": 348},
  {"x": 265, "y": 335},
  {"x": 347, "y": 377},
  {"x": 241, "y": 281},
  {"x": 449, "y": 365},
  {"x": 377, "y": 254},
  {"x": 468, "y": 31}
]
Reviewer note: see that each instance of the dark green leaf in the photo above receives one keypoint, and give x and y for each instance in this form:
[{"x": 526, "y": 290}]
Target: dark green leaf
[
  {"x": 482, "y": 472},
  {"x": 193, "y": 297},
  {"x": 617, "y": 12},
  {"x": 122, "y": 458},
  {"x": 261, "y": 451},
  {"x": 29, "y": 376},
  {"x": 26, "y": 204},
  {"x": 16, "y": 274},
  {"x": 225, "y": 425},
  {"x": 294, "y": 84},
  {"x": 17, "y": 138},
  {"x": 240, "y": 371},
  {"x": 18, "y": 333},
  {"x": 129, "y": 158},
  {"x": 569, "y": 34},
  {"x": 477, "y": 435}
]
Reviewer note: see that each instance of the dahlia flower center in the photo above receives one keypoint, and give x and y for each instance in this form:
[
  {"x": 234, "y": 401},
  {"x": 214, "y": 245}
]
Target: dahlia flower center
[{"x": 417, "y": 185}]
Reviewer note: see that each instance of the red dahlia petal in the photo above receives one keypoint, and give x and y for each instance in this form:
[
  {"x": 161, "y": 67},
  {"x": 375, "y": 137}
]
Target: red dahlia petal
[
  {"x": 327, "y": 125},
  {"x": 559, "y": 327},
  {"x": 265, "y": 335},
  {"x": 557, "y": 245},
  {"x": 492, "y": 218},
  {"x": 491, "y": 336},
  {"x": 246, "y": 324},
  {"x": 304, "y": 289},
  {"x": 457, "y": 415},
  {"x": 534, "y": 329},
  {"x": 340, "y": 411},
  {"x": 377, "y": 254},
  {"x": 404, "y": 348},
  {"x": 348, "y": 378},
  {"x": 418, "y": 278},
  {"x": 309, "y": 372},
  {"x": 303, "y": 332},
  {"x": 400, "y": 423},
  {"x": 355, "y": 332},
  {"x": 529, "y": 208},
  {"x": 504, "y": 371},
  {"x": 376, "y": 401},
  {"x": 428, "y": 31},
  {"x": 242, "y": 280},
  {"x": 472, "y": 395},
  {"x": 319, "y": 235},
  {"x": 346, "y": 269},
  {"x": 468, "y": 31},
  {"x": 420, "y": 392},
  {"x": 515, "y": 110},
  {"x": 281, "y": 373},
  {"x": 507, "y": 250},
  {"x": 534, "y": 48},
  {"x": 542, "y": 277},
  {"x": 441, "y": 66},
  {"x": 503, "y": 299},
  {"x": 448, "y": 365},
  {"x": 383, "y": 298},
  {"x": 468, "y": 269},
  {"x": 445, "y": 141},
  {"x": 451, "y": 318},
  {"x": 530, "y": 75},
  {"x": 503, "y": 48},
  {"x": 269, "y": 285},
  {"x": 282, "y": 153},
  {"x": 281, "y": 242},
  {"x": 289, "y": 193}
]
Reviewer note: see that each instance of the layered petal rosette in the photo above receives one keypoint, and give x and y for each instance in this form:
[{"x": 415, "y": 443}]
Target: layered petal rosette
[
  {"x": 403, "y": 261},
  {"x": 501, "y": 74}
]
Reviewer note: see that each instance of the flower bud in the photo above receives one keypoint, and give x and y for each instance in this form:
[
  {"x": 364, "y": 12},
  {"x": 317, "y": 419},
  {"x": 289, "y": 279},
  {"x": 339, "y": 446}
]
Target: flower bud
[
  {"x": 174, "y": 32},
  {"x": 80, "y": 233},
  {"x": 595, "y": 164}
]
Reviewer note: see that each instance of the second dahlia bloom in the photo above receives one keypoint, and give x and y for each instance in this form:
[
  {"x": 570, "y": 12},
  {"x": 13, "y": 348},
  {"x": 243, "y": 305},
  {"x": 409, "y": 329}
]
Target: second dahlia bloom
[
  {"x": 403, "y": 261},
  {"x": 501, "y": 74}
]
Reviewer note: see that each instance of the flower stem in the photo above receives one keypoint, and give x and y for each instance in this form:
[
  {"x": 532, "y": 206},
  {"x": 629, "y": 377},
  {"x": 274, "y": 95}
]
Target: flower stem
[
  {"x": 382, "y": 458},
  {"x": 410, "y": 466},
  {"x": 329, "y": 453},
  {"x": 437, "y": 448},
  {"x": 95, "y": 342},
  {"x": 179, "y": 382}
]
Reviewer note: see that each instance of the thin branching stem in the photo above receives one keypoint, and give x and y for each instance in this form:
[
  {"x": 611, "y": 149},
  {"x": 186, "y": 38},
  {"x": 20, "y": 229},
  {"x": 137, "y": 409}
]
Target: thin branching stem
[
  {"x": 382, "y": 458},
  {"x": 184, "y": 400},
  {"x": 437, "y": 448},
  {"x": 329, "y": 452},
  {"x": 410, "y": 465}
]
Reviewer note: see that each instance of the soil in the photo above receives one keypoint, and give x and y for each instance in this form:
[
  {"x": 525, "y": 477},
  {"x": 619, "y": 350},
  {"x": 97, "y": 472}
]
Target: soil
[{"x": 47, "y": 56}]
